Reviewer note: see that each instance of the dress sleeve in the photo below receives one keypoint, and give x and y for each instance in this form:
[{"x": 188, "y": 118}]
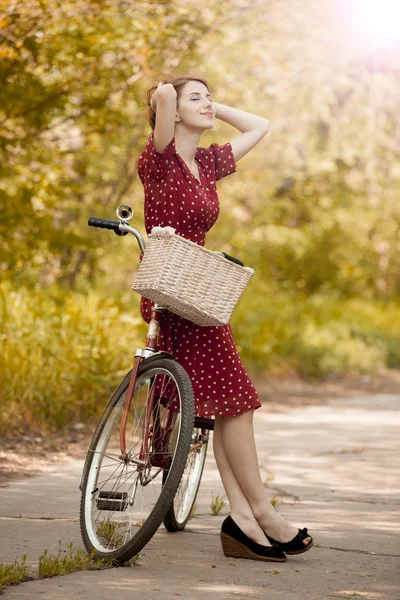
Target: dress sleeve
[
  {"x": 155, "y": 165},
  {"x": 223, "y": 160}
]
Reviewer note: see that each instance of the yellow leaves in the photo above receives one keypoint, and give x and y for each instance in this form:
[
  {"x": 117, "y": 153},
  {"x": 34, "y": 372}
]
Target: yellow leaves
[{"x": 8, "y": 52}]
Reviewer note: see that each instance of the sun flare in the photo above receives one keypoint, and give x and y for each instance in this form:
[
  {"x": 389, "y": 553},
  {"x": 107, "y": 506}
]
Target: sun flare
[{"x": 379, "y": 19}]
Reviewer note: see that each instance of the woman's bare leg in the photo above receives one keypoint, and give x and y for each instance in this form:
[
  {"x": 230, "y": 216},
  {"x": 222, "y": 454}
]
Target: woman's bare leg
[
  {"x": 240, "y": 508},
  {"x": 236, "y": 437}
]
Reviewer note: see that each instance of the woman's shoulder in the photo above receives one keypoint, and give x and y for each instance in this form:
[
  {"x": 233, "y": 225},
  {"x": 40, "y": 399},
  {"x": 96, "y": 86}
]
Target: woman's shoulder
[
  {"x": 153, "y": 164},
  {"x": 219, "y": 157},
  {"x": 150, "y": 149}
]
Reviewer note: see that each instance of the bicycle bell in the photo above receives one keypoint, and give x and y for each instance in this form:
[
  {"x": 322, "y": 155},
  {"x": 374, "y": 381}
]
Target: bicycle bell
[{"x": 124, "y": 212}]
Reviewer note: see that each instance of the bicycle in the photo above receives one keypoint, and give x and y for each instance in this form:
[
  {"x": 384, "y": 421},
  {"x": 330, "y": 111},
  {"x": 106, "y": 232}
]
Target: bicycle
[{"x": 146, "y": 457}]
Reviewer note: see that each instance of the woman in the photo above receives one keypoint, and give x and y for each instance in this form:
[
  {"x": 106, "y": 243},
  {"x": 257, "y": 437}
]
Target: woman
[{"x": 179, "y": 180}]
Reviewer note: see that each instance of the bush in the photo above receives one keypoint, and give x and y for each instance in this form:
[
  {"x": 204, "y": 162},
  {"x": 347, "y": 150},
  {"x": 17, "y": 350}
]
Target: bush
[
  {"x": 62, "y": 356},
  {"x": 282, "y": 331}
]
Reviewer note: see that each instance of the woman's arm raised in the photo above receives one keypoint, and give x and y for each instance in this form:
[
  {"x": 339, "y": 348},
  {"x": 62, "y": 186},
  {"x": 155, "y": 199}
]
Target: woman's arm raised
[
  {"x": 253, "y": 128},
  {"x": 163, "y": 102}
]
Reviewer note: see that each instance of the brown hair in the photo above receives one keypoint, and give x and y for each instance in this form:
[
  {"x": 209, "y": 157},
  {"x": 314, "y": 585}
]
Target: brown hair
[{"x": 177, "y": 82}]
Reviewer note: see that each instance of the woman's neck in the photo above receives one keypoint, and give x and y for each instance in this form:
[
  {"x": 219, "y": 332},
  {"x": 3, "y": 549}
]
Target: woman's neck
[{"x": 186, "y": 143}]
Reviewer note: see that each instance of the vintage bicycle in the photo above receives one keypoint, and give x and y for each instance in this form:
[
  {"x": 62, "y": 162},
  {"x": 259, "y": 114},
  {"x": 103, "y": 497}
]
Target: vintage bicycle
[
  {"x": 146, "y": 458},
  {"x": 147, "y": 454}
]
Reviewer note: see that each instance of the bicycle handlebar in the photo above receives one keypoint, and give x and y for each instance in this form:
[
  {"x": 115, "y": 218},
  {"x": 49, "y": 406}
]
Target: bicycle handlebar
[
  {"x": 119, "y": 227},
  {"x": 122, "y": 228},
  {"x": 103, "y": 223}
]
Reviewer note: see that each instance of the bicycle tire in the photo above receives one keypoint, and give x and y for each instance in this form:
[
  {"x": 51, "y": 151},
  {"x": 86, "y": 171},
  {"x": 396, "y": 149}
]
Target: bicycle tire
[
  {"x": 180, "y": 510},
  {"x": 122, "y": 538}
]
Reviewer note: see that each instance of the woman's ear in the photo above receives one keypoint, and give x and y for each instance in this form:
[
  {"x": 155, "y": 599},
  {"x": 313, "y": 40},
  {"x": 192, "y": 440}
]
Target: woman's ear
[{"x": 177, "y": 118}]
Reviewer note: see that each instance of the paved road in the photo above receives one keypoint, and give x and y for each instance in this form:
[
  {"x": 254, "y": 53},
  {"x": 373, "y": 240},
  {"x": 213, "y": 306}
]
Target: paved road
[{"x": 335, "y": 469}]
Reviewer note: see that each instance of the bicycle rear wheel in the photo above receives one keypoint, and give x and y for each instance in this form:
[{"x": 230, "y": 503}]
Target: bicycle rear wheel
[
  {"x": 124, "y": 500},
  {"x": 181, "y": 508}
]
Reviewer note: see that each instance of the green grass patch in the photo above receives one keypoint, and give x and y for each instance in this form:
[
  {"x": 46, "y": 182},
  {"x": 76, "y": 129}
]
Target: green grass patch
[
  {"x": 17, "y": 572},
  {"x": 64, "y": 562},
  {"x": 217, "y": 504},
  {"x": 69, "y": 561},
  {"x": 275, "y": 501},
  {"x": 62, "y": 356}
]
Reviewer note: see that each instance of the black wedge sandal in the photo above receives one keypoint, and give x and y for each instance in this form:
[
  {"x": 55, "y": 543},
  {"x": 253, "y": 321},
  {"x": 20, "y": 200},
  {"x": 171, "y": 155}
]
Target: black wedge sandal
[
  {"x": 296, "y": 545},
  {"x": 235, "y": 543}
]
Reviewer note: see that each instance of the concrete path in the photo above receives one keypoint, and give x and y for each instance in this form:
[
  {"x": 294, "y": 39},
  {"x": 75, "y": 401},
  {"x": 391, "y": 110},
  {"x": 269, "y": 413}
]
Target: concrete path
[{"x": 335, "y": 469}]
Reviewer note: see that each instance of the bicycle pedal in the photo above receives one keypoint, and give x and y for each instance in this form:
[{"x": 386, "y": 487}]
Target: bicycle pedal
[{"x": 112, "y": 501}]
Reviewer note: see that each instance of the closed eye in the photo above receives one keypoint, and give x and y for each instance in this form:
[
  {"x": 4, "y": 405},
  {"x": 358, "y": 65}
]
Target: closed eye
[{"x": 199, "y": 97}]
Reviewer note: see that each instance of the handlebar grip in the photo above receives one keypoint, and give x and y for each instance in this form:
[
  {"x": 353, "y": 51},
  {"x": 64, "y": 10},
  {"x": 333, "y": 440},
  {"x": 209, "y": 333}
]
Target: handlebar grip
[{"x": 103, "y": 223}]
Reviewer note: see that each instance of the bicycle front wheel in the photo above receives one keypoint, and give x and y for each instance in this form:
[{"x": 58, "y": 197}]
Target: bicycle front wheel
[{"x": 124, "y": 499}]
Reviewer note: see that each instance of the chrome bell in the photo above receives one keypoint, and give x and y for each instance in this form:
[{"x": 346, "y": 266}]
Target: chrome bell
[{"x": 124, "y": 212}]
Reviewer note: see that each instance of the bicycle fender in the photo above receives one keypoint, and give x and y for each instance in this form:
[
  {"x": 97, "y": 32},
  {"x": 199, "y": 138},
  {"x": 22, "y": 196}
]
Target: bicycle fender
[{"x": 157, "y": 355}]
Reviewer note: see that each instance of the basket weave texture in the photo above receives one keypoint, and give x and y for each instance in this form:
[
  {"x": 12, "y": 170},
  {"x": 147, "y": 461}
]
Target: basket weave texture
[{"x": 189, "y": 280}]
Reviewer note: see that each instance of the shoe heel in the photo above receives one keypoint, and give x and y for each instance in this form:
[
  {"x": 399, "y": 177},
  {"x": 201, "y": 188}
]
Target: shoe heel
[{"x": 232, "y": 547}]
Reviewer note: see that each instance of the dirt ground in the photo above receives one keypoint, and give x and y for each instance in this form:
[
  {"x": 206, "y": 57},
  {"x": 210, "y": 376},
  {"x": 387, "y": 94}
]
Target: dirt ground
[{"x": 29, "y": 455}]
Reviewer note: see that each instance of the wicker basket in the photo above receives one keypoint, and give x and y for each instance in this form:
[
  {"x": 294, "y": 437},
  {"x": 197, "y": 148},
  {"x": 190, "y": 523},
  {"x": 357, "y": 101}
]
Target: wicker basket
[{"x": 189, "y": 280}]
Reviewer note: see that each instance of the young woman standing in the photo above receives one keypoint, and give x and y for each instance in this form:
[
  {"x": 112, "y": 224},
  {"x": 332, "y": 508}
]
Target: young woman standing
[{"x": 179, "y": 181}]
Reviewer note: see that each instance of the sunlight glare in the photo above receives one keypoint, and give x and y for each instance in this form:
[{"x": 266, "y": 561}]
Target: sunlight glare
[{"x": 380, "y": 19}]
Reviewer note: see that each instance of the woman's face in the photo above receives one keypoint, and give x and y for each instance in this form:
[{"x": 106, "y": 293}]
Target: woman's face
[{"x": 195, "y": 108}]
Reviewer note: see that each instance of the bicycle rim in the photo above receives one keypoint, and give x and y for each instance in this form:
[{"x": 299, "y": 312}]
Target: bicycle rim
[{"x": 124, "y": 500}]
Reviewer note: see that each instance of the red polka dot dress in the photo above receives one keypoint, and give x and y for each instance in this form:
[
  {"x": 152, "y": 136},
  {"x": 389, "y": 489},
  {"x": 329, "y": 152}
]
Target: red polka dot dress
[{"x": 174, "y": 197}]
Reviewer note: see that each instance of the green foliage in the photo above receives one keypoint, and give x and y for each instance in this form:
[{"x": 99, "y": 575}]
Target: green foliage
[
  {"x": 73, "y": 559},
  {"x": 73, "y": 121},
  {"x": 316, "y": 335},
  {"x": 17, "y": 572},
  {"x": 64, "y": 562},
  {"x": 62, "y": 356},
  {"x": 112, "y": 532},
  {"x": 314, "y": 209},
  {"x": 217, "y": 504}
]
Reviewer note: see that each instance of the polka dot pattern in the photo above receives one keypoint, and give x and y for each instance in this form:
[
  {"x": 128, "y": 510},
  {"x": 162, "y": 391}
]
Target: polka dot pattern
[{"x": 173, "y": 196}]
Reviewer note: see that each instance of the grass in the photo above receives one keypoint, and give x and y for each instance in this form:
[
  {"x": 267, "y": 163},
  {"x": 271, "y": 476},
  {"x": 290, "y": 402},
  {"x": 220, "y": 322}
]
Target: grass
[
  {"x": 66, "y": 561},
  {"x": 193, "y": 511},
  {"x": 62, "y": 357},
  {"x": 217, "y": 504},
  {"x": 275, "y": 501},
  {"x": 74, "y": 559},
  {"x": 112, "y": 532},
  {"x": 274, "y": 572},
  {"x": 15, "y": 573}
]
